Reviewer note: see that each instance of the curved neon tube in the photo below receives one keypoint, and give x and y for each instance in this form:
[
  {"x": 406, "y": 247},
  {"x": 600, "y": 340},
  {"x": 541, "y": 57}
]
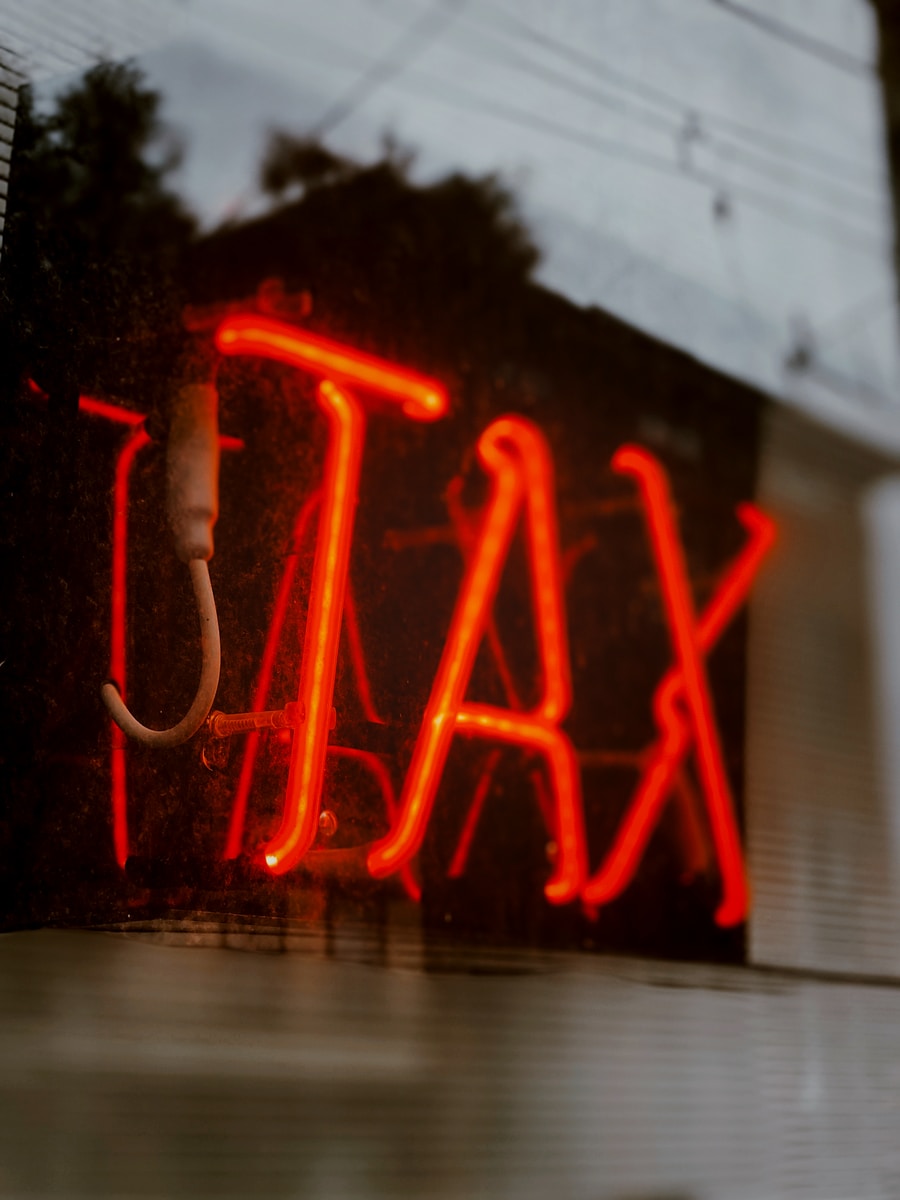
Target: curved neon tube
[
  {"x": 422, "y": 399},
  {"x": 382, "y": 777},
  {"x": 520, "y": 729},
  {"x": 683, "y": 628},
  {"x": 668, "y": 753},
  {"x": 118, "y": 659},
  {"x": 516, "y": 456}
]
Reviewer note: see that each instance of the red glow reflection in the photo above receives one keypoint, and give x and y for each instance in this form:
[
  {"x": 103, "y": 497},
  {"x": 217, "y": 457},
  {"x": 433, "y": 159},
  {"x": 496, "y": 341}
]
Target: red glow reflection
[
  {"x": 97, "y": 408},
  {"x": 461, "y": 854}
]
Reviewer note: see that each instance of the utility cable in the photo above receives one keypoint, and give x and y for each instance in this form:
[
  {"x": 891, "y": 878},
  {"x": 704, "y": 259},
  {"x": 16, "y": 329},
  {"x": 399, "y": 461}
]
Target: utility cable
[
  {"x": 400, "y": 53},
  {"x": 854, "y": 236},
  {"x": 685, "y": 126},
  {"x": 790, "y": 150},
  {"x": 444, "y": 92},
  {"x": 816, "y": 48}
]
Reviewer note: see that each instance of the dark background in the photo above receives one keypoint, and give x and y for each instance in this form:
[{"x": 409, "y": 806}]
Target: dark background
[{"x": 97, "y": 274}]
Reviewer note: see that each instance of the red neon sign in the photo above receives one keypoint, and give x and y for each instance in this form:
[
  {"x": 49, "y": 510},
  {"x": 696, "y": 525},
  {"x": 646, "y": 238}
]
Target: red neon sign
[
  {"x": 518, "y": 462},
  {"x": 118, "y": 659},
  {"x": 118, "y": 662}
]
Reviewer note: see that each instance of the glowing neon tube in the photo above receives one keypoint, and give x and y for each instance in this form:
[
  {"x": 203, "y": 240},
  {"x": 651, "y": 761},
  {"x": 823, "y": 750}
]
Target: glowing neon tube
[
  {"x": 514, "y": 453},
  {"x": 422, "y": 398},
  {"x": 643, "y": 813},
  {"x": 669, "y": 556},
  {"x": 300, "y": 817}
]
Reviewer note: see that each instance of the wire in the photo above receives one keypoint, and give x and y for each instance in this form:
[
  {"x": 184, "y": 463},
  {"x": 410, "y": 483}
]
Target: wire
[
  {"x": 792, "y": 151},
  {"x": 841, "y": 385},
  {"x": 790, "y": 36},
  {"x": 672, "y": 125},
  {"x": 449, "y": 93},
  {"x": 161, "y": 739},
  {"x": 852, "y": 236},
  {"x": 36, "y": 32},
  {"x": 423, "y": 30},
  {"x": 856, "y": 317},
  {"x": 441, "y": 91},
  {"x": 430, "y": 87},
  {"x": 847, "y": 324}
]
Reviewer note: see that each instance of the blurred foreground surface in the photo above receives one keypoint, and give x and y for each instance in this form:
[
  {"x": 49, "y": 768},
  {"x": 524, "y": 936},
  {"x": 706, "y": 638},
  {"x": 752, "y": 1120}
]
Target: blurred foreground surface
[{"x": 344, "y": 1069}]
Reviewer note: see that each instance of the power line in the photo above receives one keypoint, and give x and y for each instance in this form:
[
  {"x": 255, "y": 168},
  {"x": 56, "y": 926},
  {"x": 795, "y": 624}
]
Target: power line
[
  {"x": 841, "y": 385},
  {"x": 771, "y": 143},
  {"x": 722, "y": 220},
  {"x": 859, "y": 239},
  {"x": 423, "y": 30},
  {"x": 614, "y": 103},
  {"x": 755, "y": 198},
  {"x": 457, "y": 97},
  {"x": 856, "y": 317},
  {"x": 839, "y": 194},
  {"x": 431, "y": 86},
  {"x": 445, "y": 92},
  {"x": 790, "y": 36},
  {"x": 841, "y": 190}
]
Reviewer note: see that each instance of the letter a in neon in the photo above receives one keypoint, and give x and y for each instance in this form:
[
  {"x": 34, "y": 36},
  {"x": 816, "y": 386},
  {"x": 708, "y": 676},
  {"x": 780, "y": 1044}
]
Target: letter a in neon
[{"x": 515, "y": 455}]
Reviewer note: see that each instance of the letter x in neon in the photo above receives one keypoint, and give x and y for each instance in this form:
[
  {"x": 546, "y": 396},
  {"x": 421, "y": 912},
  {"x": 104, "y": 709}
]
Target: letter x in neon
[{"x": 682, "y": 699}]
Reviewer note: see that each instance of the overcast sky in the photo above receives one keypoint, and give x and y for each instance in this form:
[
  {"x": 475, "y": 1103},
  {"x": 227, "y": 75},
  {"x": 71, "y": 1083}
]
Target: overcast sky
[
  {"x": 710, "y": 170},
  {"x": 716, "y": 181}
]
